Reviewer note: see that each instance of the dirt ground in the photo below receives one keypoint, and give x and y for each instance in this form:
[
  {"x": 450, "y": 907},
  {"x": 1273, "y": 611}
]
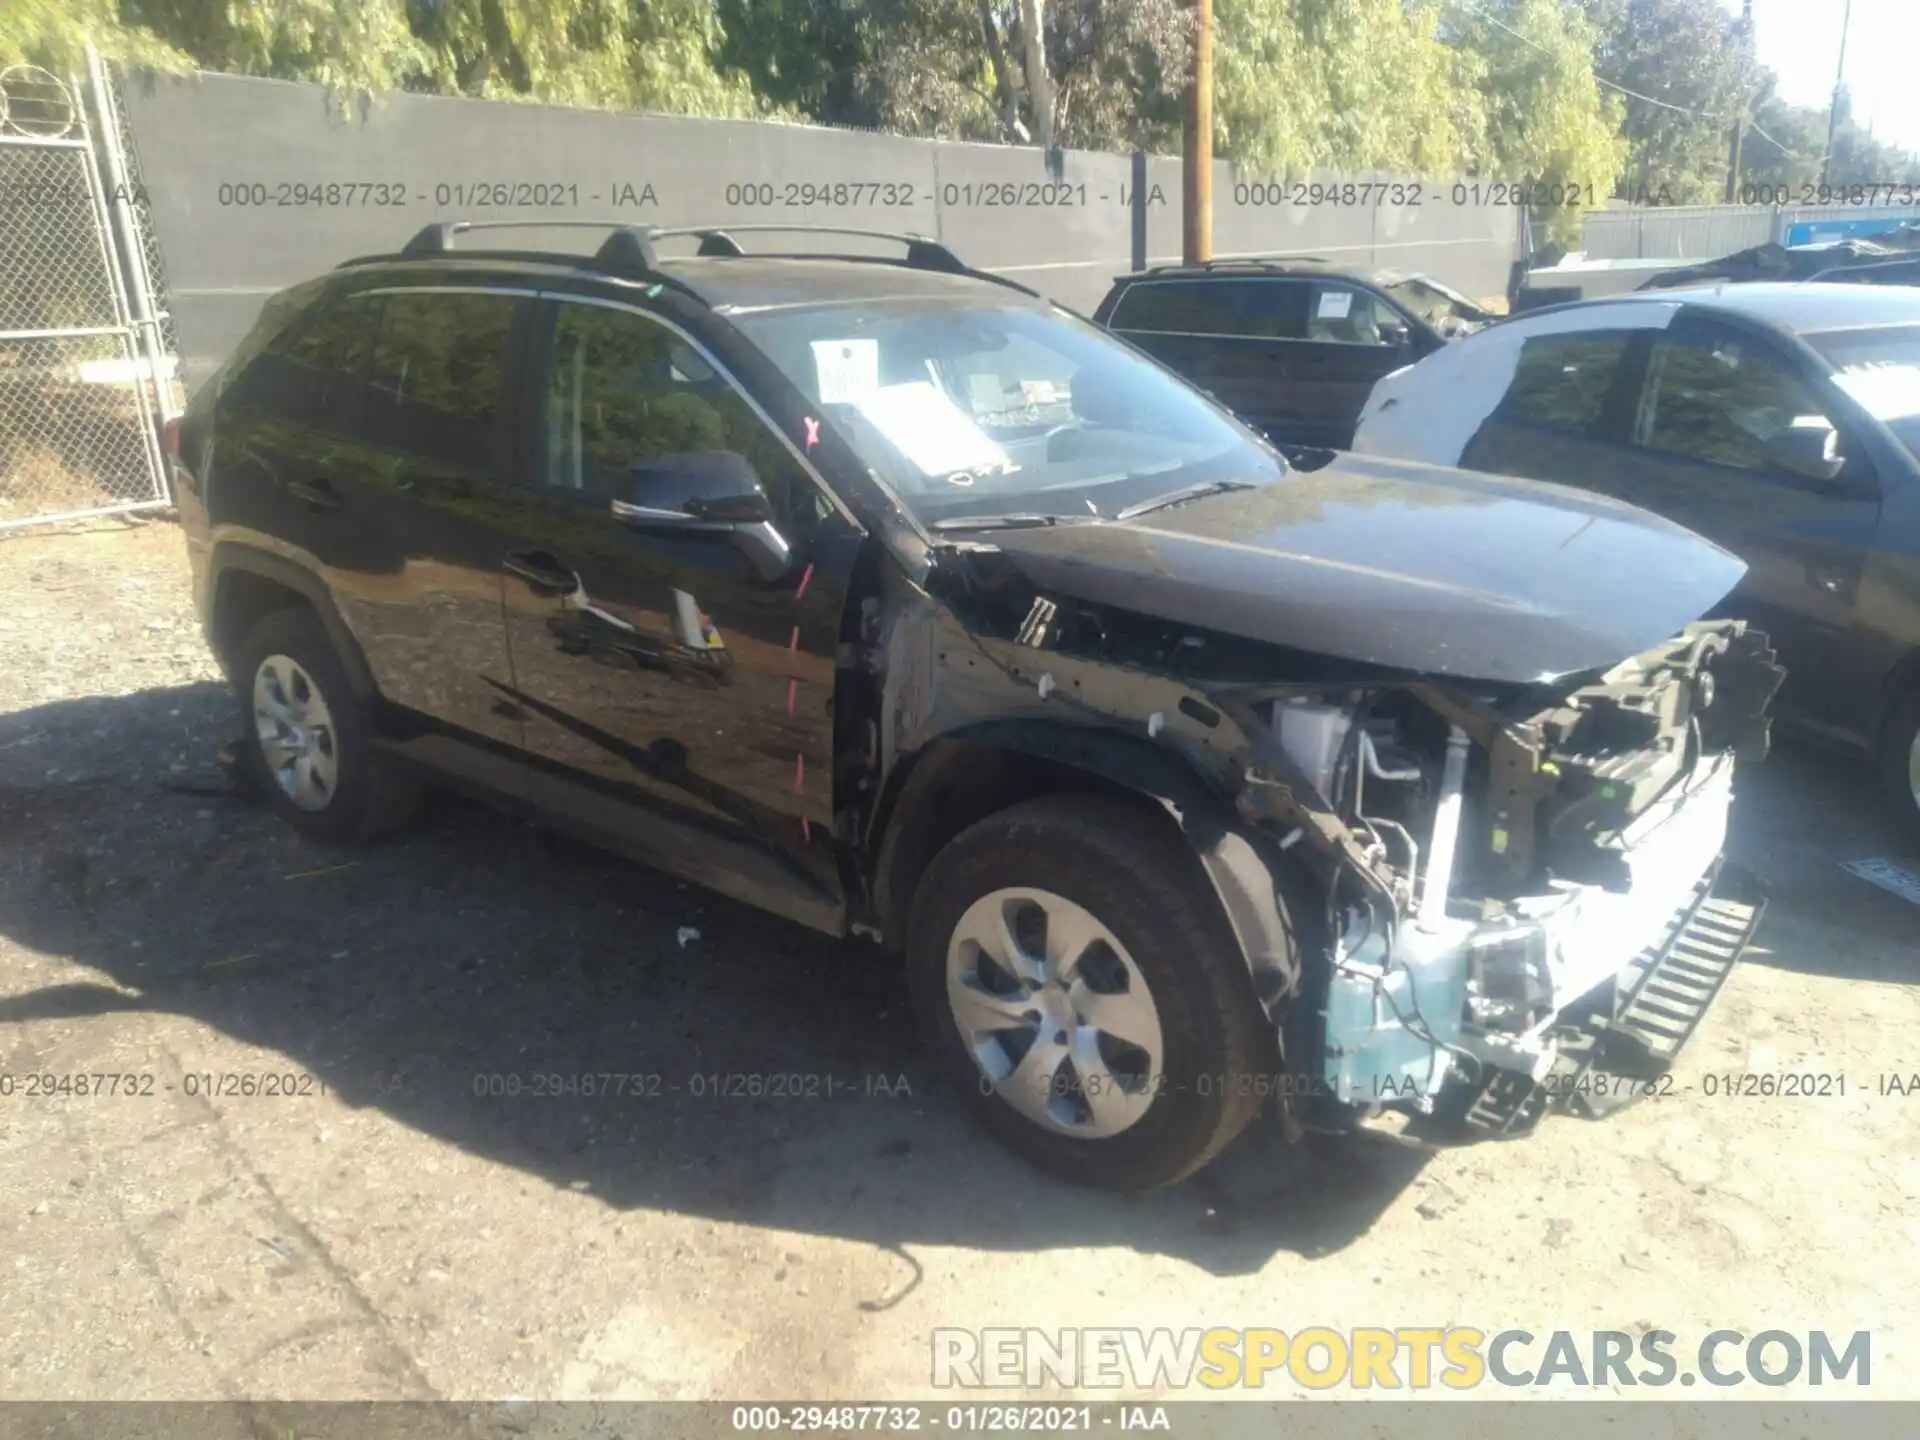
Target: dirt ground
[{"x": 392, "y": 1230}]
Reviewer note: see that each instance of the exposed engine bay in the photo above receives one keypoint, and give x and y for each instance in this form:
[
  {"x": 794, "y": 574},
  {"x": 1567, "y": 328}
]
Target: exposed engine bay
[
  {"x": 1486, "y": 852},
  {"x": 1540, "y": 795},
  {"x": 1529, "y": 842}
]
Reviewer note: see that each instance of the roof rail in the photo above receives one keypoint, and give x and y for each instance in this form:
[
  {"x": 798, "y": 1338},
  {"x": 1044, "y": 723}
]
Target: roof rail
[
  {"x": 627, "y": 248},
  {"x": 923, "y": 252},
  {"x": 1242, "y": 262}
]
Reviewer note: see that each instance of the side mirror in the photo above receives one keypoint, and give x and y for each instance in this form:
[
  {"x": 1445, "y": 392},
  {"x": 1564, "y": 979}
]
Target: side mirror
[
  {"x": 707, "y": 492},
  {"x": 1809, "y": 450},
  {"x": 1395, "y": 332}
]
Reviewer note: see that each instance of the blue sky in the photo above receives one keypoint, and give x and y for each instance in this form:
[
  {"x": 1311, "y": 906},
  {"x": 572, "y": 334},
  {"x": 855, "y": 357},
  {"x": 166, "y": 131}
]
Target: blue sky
[{"x": 1800, "y": 41}]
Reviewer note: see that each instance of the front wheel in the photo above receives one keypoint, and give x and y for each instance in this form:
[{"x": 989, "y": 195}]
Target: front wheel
[{"x": 1076, "y": 980}]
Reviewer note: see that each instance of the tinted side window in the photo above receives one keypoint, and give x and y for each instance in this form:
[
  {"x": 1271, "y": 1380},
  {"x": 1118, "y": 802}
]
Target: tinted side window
[
  {"x": 437, "y": 383},
  {"x": 1160, "y": 306},
  {"x": 624, "y": 389},
  {"x": 1562, "y": 381},
  {"x": 1271, "y": 309},
  {"x": 1721, "y": 399}
]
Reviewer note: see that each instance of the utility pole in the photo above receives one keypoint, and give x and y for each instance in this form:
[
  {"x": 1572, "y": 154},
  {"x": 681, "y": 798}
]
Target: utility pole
[
  {"x": 1196, "y": 177},
  {"x": 1839, "y": 83},
  {"x": 1744, "y": 35}
]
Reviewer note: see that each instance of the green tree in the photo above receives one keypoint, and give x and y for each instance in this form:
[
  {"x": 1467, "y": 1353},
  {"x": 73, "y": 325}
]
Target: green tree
[
  {"x": 1543, "y": 118},
  {"x": 625, "y": 54},
  {"x": 54, "y": 34},
  {"x": 1112, "y": 70},
  {"x": 1693, "y": 62},
  {"x": 1351, "y": 84}
]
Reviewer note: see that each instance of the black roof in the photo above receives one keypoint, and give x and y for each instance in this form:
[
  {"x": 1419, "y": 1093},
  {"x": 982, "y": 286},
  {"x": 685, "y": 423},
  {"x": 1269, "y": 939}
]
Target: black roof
[
  {"x": 1802, "y": 308},
  {"x": 722, "y": 272}
]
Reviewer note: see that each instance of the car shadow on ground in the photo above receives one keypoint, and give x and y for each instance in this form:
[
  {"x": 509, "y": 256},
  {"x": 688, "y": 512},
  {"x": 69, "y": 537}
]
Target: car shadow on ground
[
  {"x": 1799, "y": 818},
  {"x": 473, "y": 955}
]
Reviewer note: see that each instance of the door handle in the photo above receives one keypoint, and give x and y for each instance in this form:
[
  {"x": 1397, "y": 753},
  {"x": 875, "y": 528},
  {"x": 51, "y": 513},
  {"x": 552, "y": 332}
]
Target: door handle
[
  {"x": 314, "y": 494},
  {"x": 543, "y": 574}
]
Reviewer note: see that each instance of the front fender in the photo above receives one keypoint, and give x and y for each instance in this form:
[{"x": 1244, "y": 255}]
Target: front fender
[{"x": 1241, "y": 863}]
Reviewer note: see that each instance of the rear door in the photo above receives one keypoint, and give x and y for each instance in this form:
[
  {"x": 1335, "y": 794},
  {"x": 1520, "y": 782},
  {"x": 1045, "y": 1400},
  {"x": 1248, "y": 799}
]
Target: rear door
[
  {"x": 423, "y": 509},
  {"x": 1351, "y": 337},
  {"x": 1224, "y": 334},
  {"x": 288, "y": 431}
]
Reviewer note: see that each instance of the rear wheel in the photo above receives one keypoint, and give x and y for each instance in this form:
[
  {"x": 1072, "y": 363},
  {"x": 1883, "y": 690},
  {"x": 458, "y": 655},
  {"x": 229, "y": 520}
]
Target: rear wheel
[
  {"x": 309, "y": 737},
  {"x": 1077, "y": 983},
  {"x": 1900, "y": 763}
]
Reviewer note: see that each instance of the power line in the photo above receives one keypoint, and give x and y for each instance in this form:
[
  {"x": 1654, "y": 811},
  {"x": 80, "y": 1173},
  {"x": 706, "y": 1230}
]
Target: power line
[{"x": 1602, "y": 81}]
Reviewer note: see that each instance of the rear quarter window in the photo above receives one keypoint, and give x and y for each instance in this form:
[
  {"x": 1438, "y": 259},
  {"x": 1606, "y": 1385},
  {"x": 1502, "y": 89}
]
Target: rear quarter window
[{"x": 276, "y": 317}]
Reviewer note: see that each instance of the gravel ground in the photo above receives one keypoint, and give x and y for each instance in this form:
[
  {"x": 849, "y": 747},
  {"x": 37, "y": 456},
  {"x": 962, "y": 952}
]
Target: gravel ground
[{"x": 391, "y": 1230}]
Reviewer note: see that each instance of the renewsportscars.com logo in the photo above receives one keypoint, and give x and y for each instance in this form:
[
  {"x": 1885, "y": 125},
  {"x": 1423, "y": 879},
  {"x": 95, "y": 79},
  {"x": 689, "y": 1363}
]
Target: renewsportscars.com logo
[{"x": 1457, "y": 1357}]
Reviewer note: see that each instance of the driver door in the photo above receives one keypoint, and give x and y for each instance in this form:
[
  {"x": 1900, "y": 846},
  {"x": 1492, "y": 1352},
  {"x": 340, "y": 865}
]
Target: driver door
[{"x": 676, "y": 698}]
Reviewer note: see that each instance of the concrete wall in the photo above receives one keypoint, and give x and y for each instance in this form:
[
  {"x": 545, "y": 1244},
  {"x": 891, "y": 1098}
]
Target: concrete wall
[{"x": 209, "y": 145}]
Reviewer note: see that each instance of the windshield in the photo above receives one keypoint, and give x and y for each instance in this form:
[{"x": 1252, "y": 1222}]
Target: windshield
[
  {"x": 974, "y": 409},
  {"x": 1880, "y": 369},
  {"x": 1447, "y": 311}
]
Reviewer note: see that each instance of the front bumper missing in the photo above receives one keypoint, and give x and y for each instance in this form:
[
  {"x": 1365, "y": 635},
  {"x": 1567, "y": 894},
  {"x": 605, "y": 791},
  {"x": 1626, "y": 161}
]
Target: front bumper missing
[{"x": 1642, "y": 1021}]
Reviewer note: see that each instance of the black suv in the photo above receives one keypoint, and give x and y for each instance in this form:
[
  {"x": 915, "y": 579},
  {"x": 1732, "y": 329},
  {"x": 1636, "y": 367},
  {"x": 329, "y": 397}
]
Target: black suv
[
  {"x": 885, "y": 595},
  {"x": 1291, "y": 346}
]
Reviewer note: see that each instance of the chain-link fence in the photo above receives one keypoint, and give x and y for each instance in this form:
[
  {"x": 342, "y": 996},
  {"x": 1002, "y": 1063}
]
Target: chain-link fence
[{"x": 80, "y": 381}]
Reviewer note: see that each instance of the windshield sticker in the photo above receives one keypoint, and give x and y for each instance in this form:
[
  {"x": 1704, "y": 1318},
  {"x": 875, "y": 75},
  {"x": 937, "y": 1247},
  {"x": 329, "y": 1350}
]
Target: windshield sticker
[
  {"x": 1886, "y": 392},
  {"x": 1335, "y": 304},
  {"x": 924, "y": 424},
  {"x": 846, "y": 369}
]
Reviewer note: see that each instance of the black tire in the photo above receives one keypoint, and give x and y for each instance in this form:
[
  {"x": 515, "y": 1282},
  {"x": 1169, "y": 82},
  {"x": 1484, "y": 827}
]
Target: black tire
[
  {"x": 374, "y": 794},
  {"x": 1131, "y": 870},
  {"x": 1896, "y": 758}
]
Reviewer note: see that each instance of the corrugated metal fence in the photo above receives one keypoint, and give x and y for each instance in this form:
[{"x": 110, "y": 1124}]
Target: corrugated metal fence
[{"x": 1705, "y": 232}]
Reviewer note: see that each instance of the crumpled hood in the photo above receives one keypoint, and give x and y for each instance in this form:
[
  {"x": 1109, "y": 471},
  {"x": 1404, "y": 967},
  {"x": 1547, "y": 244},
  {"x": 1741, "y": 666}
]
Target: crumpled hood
[{"x": 1414, "y": 567}]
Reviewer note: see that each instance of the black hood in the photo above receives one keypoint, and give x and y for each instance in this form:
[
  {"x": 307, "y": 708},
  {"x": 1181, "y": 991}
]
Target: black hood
[{"x": 1414, "y": 567}]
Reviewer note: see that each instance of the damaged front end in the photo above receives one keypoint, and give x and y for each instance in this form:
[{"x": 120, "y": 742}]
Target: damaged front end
[
  {"x": 1519, "y": 863},
  {"x": 1480, "y": 875}
]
